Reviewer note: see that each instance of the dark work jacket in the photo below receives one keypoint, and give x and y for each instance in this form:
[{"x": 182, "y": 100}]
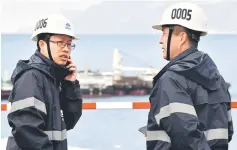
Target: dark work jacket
[
  {"x": 190, "y": 106},
  {"x": 43, "y": 105}
]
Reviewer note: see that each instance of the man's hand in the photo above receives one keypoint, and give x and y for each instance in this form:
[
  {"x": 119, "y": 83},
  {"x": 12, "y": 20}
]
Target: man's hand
[{"x": 73, "y": 69}]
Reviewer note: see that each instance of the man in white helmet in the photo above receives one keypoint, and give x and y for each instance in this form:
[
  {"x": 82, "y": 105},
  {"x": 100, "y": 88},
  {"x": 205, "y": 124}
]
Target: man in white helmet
[
  {"x": 45, "y": 86},
  {"x": 190, "y": 102}
]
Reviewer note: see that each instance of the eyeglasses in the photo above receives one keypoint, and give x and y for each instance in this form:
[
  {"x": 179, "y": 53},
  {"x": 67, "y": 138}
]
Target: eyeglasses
[{"x": 63, "y": 44}]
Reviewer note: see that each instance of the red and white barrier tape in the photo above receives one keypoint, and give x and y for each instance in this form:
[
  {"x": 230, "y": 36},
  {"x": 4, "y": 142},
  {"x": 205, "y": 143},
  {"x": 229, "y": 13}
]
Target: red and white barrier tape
[{"x": 110, "y": 105}]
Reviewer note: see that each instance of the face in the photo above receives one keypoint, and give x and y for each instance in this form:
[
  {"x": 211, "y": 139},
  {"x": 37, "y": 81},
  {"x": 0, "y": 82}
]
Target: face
[
  {"x": 60, "y": 48},
  {"x": 174, "y": 44}
]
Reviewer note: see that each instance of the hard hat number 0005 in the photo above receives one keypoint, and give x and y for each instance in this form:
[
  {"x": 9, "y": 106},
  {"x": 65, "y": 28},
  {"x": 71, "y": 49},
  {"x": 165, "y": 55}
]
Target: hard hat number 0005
[
  {"x": 181, "y": 14},
  {"x": 41, "y": 24}
]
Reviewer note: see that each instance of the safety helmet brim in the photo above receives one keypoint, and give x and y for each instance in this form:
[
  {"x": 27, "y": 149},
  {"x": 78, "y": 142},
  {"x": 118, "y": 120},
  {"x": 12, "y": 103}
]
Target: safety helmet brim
[
  {"x": 34, "y": 37},
  {"x": 159, "y": 27}
]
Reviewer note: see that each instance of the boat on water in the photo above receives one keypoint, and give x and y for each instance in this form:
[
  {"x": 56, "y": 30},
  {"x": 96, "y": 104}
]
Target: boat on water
[
  {"x": 105, "y": 84},
  {"x": 95, "y": 84}
]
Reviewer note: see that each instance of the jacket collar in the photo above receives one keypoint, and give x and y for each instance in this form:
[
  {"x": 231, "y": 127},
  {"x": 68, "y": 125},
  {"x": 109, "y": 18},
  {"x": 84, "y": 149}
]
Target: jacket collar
[
  {"x": 172, "y": 62},
  {"x": 39, "y": 61}
]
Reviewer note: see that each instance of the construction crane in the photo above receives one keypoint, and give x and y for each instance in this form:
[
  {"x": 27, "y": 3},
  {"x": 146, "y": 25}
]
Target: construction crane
[{"x": 119, "y": 68}]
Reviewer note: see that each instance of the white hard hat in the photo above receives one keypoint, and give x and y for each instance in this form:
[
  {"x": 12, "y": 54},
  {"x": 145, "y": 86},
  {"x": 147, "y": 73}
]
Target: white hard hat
[
  {"x": 185, "y": 14},
  {"x": 55, "y": 24}
]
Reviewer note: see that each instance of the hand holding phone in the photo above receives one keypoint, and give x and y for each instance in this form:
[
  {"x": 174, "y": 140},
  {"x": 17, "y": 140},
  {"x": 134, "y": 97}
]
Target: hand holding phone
[{"x": 72, "y": 70}]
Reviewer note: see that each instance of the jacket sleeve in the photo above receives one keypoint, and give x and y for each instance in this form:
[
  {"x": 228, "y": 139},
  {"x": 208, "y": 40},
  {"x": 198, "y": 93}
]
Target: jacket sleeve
[
  {"x": 230, "y": 121},
  {"x": 176, "y": 115},
  {"x": 230, "y": 124},
  {"x": 71, "y": 103},
  {"x": 28, "y": 113}
]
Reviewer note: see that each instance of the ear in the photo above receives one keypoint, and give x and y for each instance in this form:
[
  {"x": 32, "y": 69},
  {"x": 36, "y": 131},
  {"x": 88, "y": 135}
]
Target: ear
[
  {"x": 183, "y": 38},
  {"x": 42, "y": 45}
]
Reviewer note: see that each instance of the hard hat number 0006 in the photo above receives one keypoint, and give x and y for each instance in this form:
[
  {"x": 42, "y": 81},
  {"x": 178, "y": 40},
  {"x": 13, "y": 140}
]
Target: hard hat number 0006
[
  {"x": 181, "y": 14},
  {"x": 41, "y": 24}
]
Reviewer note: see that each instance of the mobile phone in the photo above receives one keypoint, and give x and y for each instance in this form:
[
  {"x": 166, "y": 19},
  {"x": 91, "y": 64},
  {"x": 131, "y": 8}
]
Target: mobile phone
[
  {"x": 68, "y": 63},
  {"x": 143, "y": 130}
]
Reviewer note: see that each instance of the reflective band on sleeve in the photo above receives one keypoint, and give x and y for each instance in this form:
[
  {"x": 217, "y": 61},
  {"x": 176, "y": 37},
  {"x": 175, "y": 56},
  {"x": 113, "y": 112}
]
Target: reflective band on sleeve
[
  {"x": 229, "y": 116},
  {"x": 28, "y": 102},
  {"x": 57, "y": 135},
  {"x": 157, "y": 135},
  {"x": 174, "y": 108},
  {"x": 216, "y": 134}
]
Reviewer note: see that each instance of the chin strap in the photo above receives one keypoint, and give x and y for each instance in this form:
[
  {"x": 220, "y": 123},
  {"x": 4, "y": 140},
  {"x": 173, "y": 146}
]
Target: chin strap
[{"x": 171, "y": 29}]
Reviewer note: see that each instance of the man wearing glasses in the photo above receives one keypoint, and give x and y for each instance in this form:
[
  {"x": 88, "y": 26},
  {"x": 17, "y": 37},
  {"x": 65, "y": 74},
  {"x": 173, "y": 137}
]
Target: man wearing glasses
[{"x": 46, "y": 99}]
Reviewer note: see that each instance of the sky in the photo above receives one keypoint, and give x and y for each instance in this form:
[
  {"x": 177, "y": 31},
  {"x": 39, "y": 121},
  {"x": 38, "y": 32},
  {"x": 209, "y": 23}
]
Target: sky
[
  {"x": 107, "y": 17},
  {"x": 110, "y": 16}
]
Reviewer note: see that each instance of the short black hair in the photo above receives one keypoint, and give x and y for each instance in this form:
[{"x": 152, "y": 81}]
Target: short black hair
[
  {"x": 193, "y": 36},
  {"x": 44, "y": 37}
]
